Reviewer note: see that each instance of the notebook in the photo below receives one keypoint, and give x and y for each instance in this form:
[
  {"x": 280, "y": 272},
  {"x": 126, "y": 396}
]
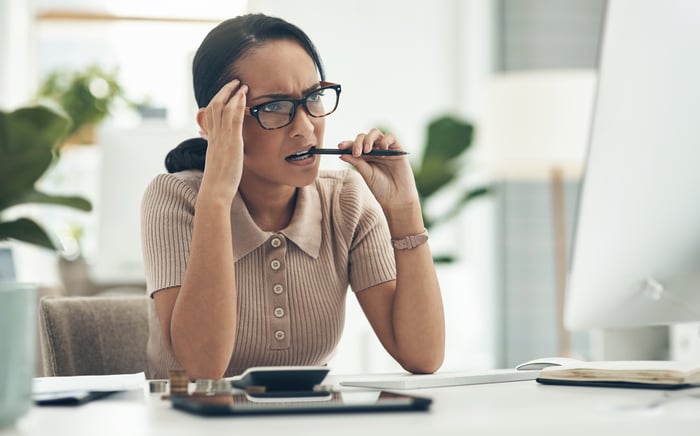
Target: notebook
[
  {"x": 76, "y": 390},
  {"x": 441, "y": 379},
  {"x": 655, "y": 374}
]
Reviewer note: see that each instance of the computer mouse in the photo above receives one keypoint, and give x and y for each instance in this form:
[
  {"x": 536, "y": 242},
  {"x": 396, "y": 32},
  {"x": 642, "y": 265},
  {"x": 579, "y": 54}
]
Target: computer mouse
[{"x": 543, "y": 362}]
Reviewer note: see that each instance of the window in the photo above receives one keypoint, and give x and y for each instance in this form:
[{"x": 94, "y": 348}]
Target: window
[{"x": 150, "y": 43}]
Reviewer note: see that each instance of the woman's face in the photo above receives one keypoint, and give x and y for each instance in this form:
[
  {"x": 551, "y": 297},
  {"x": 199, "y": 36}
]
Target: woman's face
[{"x": 279, "y": 69}]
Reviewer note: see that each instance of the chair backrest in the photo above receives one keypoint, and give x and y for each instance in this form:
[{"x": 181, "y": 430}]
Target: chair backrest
[{"x": 93, "y": 335}]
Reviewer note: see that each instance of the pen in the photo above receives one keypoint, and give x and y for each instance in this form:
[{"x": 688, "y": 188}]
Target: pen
[{"x": 348, "y": 151}]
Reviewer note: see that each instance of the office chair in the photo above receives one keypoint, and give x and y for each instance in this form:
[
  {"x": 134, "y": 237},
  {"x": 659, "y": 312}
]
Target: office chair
[{"x": 93, "y": 335}]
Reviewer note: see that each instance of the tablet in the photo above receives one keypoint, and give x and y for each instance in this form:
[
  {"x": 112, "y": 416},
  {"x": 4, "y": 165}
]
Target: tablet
[{"x": 334, "y": 402}]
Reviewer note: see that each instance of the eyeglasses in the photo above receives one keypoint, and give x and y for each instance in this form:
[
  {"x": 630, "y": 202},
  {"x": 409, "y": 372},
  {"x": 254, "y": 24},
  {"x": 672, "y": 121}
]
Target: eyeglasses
[{"x": 279, "y": 113}]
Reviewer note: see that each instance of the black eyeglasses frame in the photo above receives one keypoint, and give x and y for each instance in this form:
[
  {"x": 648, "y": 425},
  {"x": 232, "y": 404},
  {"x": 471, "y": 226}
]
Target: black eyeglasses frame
[{"x": 254, "y": 111}]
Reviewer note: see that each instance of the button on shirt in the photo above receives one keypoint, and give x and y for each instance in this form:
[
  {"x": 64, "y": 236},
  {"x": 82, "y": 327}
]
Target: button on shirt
[{"x": 291, "y": 285}]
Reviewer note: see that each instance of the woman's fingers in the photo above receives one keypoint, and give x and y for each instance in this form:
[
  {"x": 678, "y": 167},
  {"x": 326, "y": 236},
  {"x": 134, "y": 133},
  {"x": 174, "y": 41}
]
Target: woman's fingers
[
  {"x": 224, "y": 119},
  {"x": 386, "y": 142},
  {"x": 366, "y": 142},
  {"x": 233, "y": 112},
  {"x": 219, "y": 109}
]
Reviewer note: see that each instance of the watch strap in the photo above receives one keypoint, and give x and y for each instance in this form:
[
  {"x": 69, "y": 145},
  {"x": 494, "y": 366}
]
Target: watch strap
[{"x": 410, "y": 241}]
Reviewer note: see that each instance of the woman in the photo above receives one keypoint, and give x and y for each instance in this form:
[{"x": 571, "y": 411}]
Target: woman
[{"x": 248, "y": 258}]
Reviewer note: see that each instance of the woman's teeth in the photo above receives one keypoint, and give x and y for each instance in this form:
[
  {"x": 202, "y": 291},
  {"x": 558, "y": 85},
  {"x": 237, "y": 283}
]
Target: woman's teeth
[{"x": 300, "y": 156}]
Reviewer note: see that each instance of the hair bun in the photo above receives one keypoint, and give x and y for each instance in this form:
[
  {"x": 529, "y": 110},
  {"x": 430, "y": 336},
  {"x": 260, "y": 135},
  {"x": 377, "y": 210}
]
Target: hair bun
[{"x": 188, "y": 155}]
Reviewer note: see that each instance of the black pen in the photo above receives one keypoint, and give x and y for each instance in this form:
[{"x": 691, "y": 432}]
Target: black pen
[{"x": 374, "y": 152}]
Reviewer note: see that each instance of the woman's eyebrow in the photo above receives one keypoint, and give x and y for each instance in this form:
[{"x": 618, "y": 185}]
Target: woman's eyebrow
[{"x": 283, "y": 96}]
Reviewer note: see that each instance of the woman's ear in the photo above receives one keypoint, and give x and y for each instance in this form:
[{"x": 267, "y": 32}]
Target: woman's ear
[{"x": 202, "y": 122}]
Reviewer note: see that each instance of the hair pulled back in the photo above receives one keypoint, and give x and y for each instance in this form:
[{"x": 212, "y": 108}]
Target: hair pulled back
[{"x": 214, "y": 66}]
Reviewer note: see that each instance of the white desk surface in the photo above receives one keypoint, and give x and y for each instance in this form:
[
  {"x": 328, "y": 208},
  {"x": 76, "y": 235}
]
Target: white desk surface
[{"x": 515, "y": 408}]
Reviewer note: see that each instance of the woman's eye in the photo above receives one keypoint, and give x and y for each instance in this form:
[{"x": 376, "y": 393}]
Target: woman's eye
[
  {"x": 277, "y": 106},
  {"x": 274, "y": 106},
  {"x": 316, "y": 96}
]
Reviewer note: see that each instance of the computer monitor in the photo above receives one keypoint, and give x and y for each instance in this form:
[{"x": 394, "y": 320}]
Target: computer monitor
[{"x": 635, "y": 257}]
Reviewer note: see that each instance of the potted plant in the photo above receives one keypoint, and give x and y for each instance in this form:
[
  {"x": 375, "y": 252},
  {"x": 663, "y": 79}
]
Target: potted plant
[
  {"x": 448, "y": 141},
  {"x": 87, "y": 97},
  {"x": 29, "y": 138},
  {"x": 29, "y": 141}
]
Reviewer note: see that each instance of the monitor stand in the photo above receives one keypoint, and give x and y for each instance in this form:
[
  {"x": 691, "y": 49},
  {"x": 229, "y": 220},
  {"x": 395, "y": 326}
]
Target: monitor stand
[{"x": 631, "y": 343}]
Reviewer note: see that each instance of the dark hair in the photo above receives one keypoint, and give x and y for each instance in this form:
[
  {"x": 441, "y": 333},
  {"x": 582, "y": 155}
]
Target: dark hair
[{"x": 213, "y": 67}]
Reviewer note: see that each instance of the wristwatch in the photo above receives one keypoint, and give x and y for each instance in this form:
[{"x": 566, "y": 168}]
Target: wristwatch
[{"x": 410, "y": 241}]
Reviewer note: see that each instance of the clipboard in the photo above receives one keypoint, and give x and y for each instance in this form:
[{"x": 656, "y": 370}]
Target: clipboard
[{"x": 69, "y": 398}]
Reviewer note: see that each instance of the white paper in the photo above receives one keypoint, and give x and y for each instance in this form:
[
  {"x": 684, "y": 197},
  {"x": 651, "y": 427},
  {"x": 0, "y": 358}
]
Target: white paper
[{"x": 89, "y": 383}]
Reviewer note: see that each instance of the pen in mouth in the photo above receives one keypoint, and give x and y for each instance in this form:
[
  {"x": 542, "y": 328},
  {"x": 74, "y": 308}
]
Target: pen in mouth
[
  {"x": 375, "y": 152},
  {"x": 335, "y": 151}
]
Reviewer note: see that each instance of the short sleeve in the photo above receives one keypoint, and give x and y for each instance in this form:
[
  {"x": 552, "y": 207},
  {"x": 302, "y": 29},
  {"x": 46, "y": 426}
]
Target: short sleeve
[
  {"x": 371, "y": 257},
  {"x": 167, "y": 217}
]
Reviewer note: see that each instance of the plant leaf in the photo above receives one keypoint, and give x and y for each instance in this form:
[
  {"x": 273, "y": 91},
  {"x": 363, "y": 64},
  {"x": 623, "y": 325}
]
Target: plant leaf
[
  {"x": 459, "y": 204},
  {"x": 33, "y": 196},
  {"x": 432, "y": 176},
  {"x": 26, "y": 230},
  {"x": 28, "y": 137},
  {"x": 447, "y": 138}
]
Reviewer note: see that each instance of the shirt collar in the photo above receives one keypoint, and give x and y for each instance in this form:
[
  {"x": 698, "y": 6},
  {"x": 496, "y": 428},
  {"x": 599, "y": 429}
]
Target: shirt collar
[{"x": 304, "y": 229}]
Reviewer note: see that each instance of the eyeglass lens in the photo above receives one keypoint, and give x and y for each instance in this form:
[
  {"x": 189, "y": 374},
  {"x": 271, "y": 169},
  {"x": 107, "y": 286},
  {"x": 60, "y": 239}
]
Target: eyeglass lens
[{"x": 279, "y": 113}]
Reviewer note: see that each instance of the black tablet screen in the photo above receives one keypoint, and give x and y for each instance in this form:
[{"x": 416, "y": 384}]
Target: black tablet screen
[{"x": 334, "y": 402}]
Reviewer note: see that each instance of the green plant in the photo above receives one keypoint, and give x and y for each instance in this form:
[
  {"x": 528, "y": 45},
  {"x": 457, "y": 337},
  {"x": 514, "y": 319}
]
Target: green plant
[
  {"x": 29, "y": 140},
  {"x": 87, "y": 96},
  {"x": 448, "y": 140}
]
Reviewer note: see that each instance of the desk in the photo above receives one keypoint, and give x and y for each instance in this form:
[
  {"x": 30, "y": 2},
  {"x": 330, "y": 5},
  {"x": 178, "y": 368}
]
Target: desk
[{"x": 517, "y": 408}]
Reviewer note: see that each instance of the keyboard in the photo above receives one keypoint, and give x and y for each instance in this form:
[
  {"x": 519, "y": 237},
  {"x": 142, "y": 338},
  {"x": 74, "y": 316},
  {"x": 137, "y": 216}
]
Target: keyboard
[{"x": 441, "y": 379}]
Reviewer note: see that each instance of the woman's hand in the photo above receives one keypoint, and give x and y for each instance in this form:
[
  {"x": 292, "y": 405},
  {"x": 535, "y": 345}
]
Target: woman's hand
[
  {"x": 222, "y": 121},
  {"x": 390, "y": 178}
]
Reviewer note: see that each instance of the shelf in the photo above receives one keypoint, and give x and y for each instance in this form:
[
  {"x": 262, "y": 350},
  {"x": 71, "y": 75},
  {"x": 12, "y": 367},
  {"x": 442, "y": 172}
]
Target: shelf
[{"x": 66, "y": 15}]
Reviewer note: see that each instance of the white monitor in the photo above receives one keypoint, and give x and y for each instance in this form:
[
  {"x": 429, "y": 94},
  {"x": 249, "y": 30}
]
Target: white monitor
[{"x": 635, "y": 258}]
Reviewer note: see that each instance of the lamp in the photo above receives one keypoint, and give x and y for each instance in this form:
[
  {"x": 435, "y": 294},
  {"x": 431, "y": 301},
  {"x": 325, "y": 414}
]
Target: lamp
[{"x": 535, "y": 125}]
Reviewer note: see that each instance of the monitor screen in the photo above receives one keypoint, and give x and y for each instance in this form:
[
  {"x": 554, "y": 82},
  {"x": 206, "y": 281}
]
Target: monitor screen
[{"x": 635, "y": 259}]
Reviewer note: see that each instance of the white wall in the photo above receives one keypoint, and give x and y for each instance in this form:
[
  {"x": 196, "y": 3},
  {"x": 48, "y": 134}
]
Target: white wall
[{"x": 16, "y": 52}]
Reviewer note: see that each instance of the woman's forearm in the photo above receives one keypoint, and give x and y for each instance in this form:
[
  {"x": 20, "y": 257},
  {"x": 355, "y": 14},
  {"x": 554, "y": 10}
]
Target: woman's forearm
[
  {"x": 203, "y": 322},
  {"x": 417, "y": 315}
]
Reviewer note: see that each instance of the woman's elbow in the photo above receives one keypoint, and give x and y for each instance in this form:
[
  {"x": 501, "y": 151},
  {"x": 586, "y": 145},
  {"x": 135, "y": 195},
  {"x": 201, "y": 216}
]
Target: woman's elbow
[{"x": 427, "y": 363}]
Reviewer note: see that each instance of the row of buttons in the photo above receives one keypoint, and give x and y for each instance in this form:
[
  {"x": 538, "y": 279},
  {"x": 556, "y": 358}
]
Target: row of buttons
[{"x": 277, "y": 289}]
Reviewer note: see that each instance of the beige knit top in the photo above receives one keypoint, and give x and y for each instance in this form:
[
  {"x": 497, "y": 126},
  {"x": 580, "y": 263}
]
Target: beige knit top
[{"x": 291, "y": 284}]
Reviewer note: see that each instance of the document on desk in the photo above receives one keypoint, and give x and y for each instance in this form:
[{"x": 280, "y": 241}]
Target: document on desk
[
  {"x": 79, "y": 389},
  {"x": 441, "y": 379},
  {"x": 655, "y": 374}
]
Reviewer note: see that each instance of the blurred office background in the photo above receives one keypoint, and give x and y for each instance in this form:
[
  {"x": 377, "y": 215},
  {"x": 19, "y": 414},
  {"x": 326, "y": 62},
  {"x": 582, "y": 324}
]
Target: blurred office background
[{"x": 522, "y": 71}]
